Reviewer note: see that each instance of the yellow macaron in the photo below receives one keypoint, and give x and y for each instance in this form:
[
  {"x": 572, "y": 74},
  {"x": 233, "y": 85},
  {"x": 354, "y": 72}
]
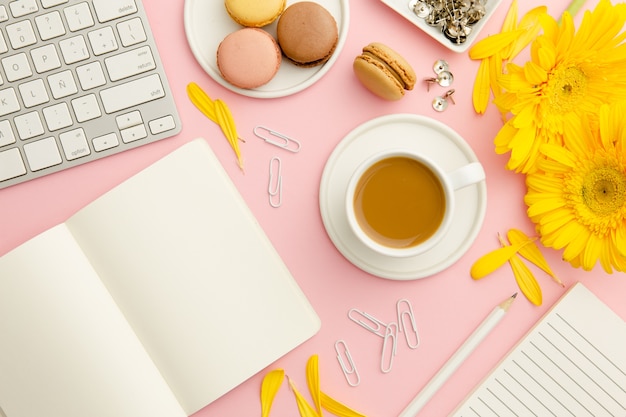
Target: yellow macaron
[
  {"x": 384, "y": 72},
  {"x": 254, "y": 13}
]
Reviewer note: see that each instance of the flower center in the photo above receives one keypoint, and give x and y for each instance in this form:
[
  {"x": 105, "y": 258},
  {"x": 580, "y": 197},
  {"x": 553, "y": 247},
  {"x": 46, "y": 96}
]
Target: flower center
[
  {"x": 604, "y": 190},
  {"x": 565, "y": 87}
]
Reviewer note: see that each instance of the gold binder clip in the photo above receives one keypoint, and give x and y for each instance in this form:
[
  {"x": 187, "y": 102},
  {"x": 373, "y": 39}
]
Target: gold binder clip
[
  {"x": 348, "y": 366},
  {"x": 405, "y": 313},
  {"x": 277, "y": 139}
]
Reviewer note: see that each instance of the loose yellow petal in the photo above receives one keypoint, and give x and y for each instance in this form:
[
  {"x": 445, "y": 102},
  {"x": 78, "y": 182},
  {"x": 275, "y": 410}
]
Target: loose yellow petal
[
  {"x": 303, "y": 406},
  {"x": 480, "y": 95},
  {"x": 526, "y": 281},
  {"x": 493, "y": 44},
  {"x": 227, "y": 123},
  {"x": 270, "y": 386},
  {"x": 524, "y": 278},
  {"x": 532, "y": 253},
  {"x": 338, "y": 408},
  {"x": 495, "y": 259},
  {"x": 313, "y": 381}
]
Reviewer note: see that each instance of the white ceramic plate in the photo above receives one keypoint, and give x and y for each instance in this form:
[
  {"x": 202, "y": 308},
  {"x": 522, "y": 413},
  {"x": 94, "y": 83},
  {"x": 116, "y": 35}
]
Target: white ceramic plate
[
  {"x": 207, "y": 23},
  {"x": 418, "y": 133},
  {"x": 403, "y": 7}
]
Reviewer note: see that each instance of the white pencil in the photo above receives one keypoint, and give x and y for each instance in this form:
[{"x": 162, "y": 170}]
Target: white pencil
[{"x": 457, "y": 358}]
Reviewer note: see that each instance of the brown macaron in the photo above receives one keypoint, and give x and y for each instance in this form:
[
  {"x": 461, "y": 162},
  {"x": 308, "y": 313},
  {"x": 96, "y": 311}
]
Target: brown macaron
[
  {"x": 307, "y": 34},
  {"x": 384, "y": 72}
]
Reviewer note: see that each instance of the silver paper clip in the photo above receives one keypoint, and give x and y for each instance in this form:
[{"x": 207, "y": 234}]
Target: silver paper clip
[
  {"x": 388, "y": 352},
  {"x": 406, "y": 314},
  {"x": 277, "y": 139},
  {"x": 367, "y": 321},
  {"x": 275, "y": 187},
  {"x": 347, "y": 364}
]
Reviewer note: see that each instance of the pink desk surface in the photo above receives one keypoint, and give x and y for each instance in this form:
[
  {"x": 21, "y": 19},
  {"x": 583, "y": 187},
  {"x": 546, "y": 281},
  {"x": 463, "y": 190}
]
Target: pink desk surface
[{"x": 448, "y": 305}]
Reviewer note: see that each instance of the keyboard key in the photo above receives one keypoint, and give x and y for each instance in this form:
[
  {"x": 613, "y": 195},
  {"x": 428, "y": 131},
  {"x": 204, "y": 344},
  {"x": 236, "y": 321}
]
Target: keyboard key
[
  {"x": 90, "y": 75},
  {"x": 74, "y": 49},
  {"x": 51, "y": 3},
  {"x": 4, "y": 16},
  {"x": 50, "y": 25},
  {"x": 62, "y": 84},
  {"x": 102, "y": 143},
  {"x": 34, "y": 93},
  {"x": 132, "y": 93},
  {"x": 21, "y": 34},
  {"x": 130, "y": 63},
  {"x": 74, "y": 144},
  {"x": 3, "y": 45},
  {"x": 131, "y": 32},
  {"x": 134, "y": 133},
  {"x": 11, "y": 164},
  {"x": 8, "y": 102},
  {"x": 28, "y": 125},
  {"x": 107, "y": 10},
  {"x": 21, "y": 8},
  {"x": 6, "y": 133},
  {"x": 128, "y": 119},
  {"x": 78, "y": 17},
  {"x": 42, "y": 154},
  {"x": 102, "y": 41},
  {"x": 86, "y": 108},
  {"x": 162, "y": 124},
  {"x": 57, "y": 116},
  {"x": 45, "y": 58},
  {"x": 16, "y": 67}
]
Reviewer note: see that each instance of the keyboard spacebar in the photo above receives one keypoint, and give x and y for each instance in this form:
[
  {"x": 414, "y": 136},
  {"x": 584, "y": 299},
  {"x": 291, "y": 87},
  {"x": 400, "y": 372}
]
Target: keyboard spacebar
[{"x": 132, "y": 93}]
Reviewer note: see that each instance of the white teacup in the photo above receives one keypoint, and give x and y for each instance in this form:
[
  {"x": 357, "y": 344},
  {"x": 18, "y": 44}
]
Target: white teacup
[{"x": 400, "y": 203}]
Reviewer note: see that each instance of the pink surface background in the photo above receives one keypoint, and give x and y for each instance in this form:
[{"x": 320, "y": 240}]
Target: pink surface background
[{"x": 448, "y": 306}]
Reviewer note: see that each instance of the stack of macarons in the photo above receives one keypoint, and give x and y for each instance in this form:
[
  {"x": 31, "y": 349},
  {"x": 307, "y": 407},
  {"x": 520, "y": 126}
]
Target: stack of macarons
[{"x": 306, "y": 34}]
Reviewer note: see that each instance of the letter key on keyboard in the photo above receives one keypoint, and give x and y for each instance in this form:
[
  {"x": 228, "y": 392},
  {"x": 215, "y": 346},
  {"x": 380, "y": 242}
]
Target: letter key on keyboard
[{"x": 79, "y": 80}]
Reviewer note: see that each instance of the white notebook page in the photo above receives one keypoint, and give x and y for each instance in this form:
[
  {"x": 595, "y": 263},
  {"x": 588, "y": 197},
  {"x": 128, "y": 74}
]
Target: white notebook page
[{"x": 572, "y": 363}]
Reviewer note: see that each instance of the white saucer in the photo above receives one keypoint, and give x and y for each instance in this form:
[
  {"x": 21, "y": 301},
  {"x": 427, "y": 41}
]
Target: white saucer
[
  {"x": 207, "y": 23},
  {"x": 433, "y": 139}
]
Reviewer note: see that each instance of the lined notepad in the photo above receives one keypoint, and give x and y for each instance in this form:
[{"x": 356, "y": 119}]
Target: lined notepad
[{"x": 572, "y": 363}]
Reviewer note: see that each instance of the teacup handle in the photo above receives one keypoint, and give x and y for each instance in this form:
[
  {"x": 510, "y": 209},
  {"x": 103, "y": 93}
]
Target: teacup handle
[{"x": 466, "y": 175}]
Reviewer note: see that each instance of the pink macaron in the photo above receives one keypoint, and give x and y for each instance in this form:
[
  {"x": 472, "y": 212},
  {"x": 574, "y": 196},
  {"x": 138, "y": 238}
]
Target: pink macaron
[{"x": 248, "y": 58}]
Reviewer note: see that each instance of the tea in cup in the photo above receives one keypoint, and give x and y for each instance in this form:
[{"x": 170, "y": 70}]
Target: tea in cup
[{"x": 400, "y": 203}]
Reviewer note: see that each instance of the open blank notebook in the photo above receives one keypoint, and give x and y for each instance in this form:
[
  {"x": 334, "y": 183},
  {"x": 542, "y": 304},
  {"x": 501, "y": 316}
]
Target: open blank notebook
[
  {"x": 572, "y": 363},
  {"x": 153, "y": 300}
]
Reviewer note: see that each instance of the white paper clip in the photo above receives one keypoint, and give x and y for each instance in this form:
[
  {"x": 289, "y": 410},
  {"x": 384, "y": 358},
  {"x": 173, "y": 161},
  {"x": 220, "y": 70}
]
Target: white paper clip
[
  {"x": 405, "y": 313},
  {"x": 389, "y": 351},
  {"x": 347, "y": 364},
  {"x": 367, "y": 321},
  {"x": 275, "y": 187},
  {"x": 277, "y": 139}
]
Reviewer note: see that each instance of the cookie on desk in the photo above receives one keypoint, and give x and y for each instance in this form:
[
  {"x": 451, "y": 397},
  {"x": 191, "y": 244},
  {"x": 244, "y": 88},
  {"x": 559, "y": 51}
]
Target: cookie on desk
[
  {"x": 307, "y": 34},
  {"x": 248, "y": 58},
  {"x": 254, "y": 13}
]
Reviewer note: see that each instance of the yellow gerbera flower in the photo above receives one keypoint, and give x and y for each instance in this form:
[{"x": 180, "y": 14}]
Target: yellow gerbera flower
[
  {"x": 571, "y": 73},
  {"x": 577, "y": 196}
]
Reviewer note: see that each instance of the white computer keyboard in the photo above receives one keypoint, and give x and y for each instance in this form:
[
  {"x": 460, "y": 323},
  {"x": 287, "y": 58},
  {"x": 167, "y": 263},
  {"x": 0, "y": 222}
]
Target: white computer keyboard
[{"x": 79, "y": 80}]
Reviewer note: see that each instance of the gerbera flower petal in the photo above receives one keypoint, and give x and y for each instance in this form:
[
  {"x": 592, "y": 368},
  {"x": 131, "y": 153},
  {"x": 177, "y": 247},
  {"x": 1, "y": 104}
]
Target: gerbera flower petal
[
  {"x": 493, "y": 44},
  {"x": 592, "y": 251},
  {"x": 559, "y": 154},
  {"x": 547, "y": 204},
  {"x": 482, "y": 84},
  {"x": 576, "y": 246},
  {"x": 530, "y": 23},
  {"x": 534, "y": 73}
]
